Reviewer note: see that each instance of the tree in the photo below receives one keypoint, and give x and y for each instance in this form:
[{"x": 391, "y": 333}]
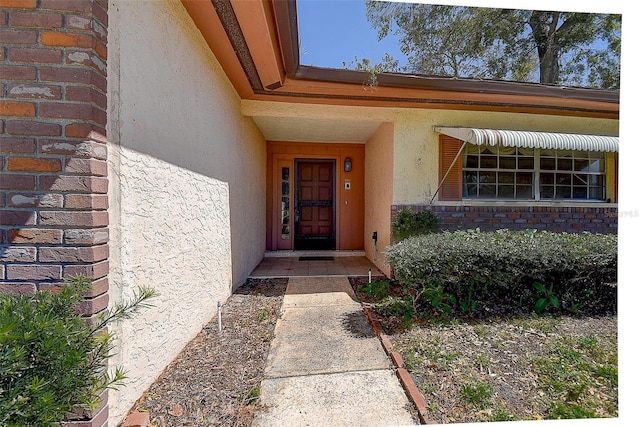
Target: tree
[{"x": 570, "y": 48}]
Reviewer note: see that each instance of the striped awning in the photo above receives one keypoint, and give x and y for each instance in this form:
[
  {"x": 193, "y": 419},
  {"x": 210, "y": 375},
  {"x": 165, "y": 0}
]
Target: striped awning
[{"x": 519, "y": 138}]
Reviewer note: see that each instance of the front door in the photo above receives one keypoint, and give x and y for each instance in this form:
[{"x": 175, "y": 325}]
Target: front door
[{"x": 314, "y": 206}]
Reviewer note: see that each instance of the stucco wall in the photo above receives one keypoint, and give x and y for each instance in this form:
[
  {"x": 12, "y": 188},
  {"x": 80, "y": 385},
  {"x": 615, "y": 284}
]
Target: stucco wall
[
  {"x": 416, "y": 148},
  {"x": 187, "y": 191},
  {"x": 378, "y": 193}
]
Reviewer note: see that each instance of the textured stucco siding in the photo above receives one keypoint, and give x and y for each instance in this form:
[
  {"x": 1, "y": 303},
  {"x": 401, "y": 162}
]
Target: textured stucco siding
[
  {"x": 378, "y": 193},
  {"x": 415, "y": 156},
  {"x": 187, "y": 190}
]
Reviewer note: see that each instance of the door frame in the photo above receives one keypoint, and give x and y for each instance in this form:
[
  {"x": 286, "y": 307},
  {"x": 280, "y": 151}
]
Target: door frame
[
  {"x": 290, "y": 161},
  {"x": 296, "y": 189}
]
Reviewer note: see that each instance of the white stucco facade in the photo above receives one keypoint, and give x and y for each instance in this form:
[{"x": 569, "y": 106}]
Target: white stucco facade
[{"x": 187, "y": 190}]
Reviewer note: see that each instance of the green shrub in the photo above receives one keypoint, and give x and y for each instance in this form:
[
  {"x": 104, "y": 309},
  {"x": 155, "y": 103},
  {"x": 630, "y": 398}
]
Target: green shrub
[
  {"x": 407, "y": 223},
  {"x": 52, "y": 361},
  {"x": 503, "y": 266}
]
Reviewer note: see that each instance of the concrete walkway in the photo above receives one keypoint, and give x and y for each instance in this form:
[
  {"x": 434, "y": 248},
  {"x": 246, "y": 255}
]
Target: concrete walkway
[{"x": 326, "y": 367}]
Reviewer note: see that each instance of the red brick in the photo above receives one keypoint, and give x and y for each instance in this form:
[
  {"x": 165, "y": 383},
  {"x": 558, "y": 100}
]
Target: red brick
[
  {"x": 83, "y": 236},
  {"x": 92, "y": 271},
  {"x": 82, "y": 130},
  {"x": 74, "y": 148},
  {"x": 93, "y": 305},
  {"x": 17, "y": 182},
  {"x": 9, "y": 37},
  {"x": 67, "y": 39},
  {"x": 14, "y": 217},
  {"x": 78, "y": 22},
  {"x": 86, "y": 94},
  {"x": 36, "y": 19},
  {"x": 73, "y": 255},
  {"x": 73, "y": 111},
  {"x": 34, "y": 272},
  {"x": 18, "y": 288},
  {"x": 86, "y": 166},
  {"x": 84, "y": 6},
  {"x": 18, "y": 72},
  {"x": 18, "y": 254},
  {"x": 35, "y": 91},
  {"x": 17, "y": 109},
  {"x": 396, "y": 358},
  {"x": 35, "y": 236},
  {"x": 137, "y": 419},
  {"x": 75, "y": 75},
  {"x": 34, "y": 200},
  {"x": 40, "y": 56},
  {"x": 101, "y": 49},
  {"x": 86, "y": 201},
  {"x": 74, "y": 219},
  {"x": 73, "y": 183},
  {"x": 33, "y": 164},
  {"x": 33, "y": 128},
  {"x": 17, "y": 145}
]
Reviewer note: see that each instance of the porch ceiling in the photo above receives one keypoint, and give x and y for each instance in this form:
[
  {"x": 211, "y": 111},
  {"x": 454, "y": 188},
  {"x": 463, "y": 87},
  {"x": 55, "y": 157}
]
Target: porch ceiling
[{"x": 315, "y": 130}]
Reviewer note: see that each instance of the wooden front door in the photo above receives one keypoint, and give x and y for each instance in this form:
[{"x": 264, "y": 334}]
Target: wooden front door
[{"x": 315, "y": 205}]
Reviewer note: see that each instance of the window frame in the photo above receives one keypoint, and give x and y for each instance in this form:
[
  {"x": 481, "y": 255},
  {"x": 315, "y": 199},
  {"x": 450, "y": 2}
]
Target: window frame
[{"x": 536, "y": 184}]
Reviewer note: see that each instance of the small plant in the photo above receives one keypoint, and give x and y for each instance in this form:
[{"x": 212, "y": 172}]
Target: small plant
[
  {"x": 407, "y": 223},
  {"x": 440, "y": 301},
  {"x": 52, "y": 361},
  {"x": 396, "y": 307},
  {"x": 468, "y": 304},
  {"x": 377, "y": 289},
  {"x": 250, "y": 397},
  {"x": 546, "y": 298},
  {"x": 479, "y": 395}
]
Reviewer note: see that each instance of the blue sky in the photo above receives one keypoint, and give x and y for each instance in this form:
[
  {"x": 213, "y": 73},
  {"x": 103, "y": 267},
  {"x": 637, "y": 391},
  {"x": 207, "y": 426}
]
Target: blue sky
[{"x": 334, "y": 31}]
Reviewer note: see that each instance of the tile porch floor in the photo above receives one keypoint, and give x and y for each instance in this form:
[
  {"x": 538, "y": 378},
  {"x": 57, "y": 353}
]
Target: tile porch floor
[{"x": 289, "y": 264}]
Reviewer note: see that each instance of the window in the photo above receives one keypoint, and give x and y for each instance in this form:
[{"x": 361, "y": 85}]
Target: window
[{"x": 498, "y": 172}]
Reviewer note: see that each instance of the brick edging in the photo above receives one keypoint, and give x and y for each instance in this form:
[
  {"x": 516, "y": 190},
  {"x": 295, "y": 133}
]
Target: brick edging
[{"x": 403, "y": 375}]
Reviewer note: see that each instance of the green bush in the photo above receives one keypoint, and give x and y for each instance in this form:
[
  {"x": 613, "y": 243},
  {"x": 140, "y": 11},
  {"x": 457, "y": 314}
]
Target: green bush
[
  {"x": 407, "y": 223},
  {"x": 52, "y": 361},
  {"x": 503, "y": 266}
]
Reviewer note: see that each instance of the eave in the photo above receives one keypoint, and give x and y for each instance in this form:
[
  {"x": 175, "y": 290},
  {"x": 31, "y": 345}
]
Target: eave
[{"x": 256, "y": 44}]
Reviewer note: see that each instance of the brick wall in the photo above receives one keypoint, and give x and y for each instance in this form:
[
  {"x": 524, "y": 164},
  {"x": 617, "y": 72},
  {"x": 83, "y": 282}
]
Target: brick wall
[
  {"x": 53, "y": 184},
  {"x": 550, "y": 218}
]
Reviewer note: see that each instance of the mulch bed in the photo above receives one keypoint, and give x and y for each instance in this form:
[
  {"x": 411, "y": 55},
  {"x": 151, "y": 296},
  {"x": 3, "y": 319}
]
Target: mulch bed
[{"x": 215, "y": 379}]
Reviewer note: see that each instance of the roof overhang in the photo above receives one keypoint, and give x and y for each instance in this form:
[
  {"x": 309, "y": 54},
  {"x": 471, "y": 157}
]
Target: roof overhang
[
  {"x": 528, "y": 139},
  {"x": 256, "y": 43}
]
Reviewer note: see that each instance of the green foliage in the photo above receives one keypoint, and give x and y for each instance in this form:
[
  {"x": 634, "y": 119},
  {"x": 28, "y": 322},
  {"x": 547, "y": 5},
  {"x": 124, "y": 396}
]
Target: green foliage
[
  {"x": 579, "y": 270},
  {"x": 479, "y": 394},
  {"x": 569, "y": 374},
  {"x": 53, "y": 361},
  {"x": 546, "y": 298},
  {"x": 568, "y": 48},
  {"x": 377, "y": 289},
  {"x": 407, "y": 223}
]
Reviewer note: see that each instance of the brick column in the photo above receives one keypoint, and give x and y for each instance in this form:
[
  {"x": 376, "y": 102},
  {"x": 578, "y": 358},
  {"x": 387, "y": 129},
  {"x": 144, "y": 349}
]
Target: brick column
[{"x": 53, "y": 184}]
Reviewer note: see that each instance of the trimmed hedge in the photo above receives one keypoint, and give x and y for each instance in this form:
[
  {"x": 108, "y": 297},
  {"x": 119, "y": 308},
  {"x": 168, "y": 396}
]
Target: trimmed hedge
[{"x": 501, "y": 267}]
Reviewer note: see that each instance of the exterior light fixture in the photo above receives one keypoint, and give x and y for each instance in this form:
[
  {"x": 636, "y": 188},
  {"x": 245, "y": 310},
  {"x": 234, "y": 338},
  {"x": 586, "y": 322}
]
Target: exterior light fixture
[{"x": 347, "y": 164}]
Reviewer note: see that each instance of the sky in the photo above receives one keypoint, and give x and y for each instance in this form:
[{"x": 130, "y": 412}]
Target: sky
[{"x": 341, "y": 25}]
